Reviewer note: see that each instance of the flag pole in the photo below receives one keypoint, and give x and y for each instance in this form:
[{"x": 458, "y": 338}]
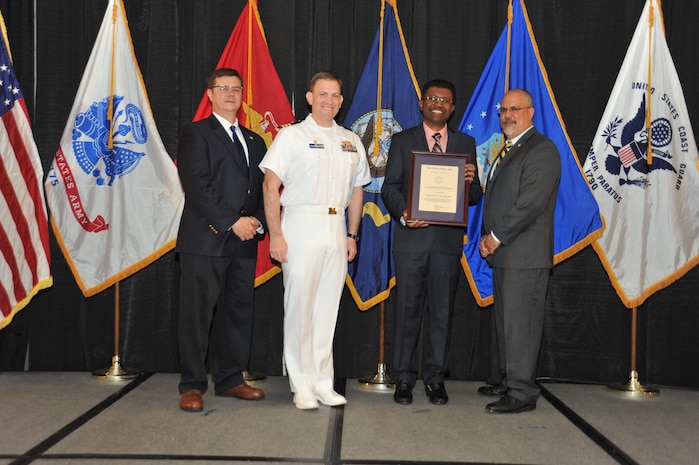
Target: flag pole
[
  {"x": 380, "y": 381},
  {"x": 116, "y": 372},
  {"x": 633, "y": 388}
]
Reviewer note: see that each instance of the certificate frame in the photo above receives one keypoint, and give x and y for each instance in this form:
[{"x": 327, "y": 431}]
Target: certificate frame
[{"x": 437, "y": 192}]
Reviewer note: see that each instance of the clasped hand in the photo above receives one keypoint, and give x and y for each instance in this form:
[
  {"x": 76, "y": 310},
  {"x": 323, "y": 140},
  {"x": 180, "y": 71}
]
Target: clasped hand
[{"x": 246, "y": 227}]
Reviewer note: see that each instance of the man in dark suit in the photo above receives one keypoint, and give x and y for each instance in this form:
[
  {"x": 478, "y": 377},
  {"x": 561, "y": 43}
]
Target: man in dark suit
[
  {"x": 517, "y": 241},
  {"x": 218, "y": 160},
  {"x": 427, "y": 257}
]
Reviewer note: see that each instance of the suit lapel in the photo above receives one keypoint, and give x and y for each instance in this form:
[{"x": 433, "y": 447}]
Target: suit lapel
[
  {"x": 512, "y": 153},
  {"x": 223, "y": 135}
]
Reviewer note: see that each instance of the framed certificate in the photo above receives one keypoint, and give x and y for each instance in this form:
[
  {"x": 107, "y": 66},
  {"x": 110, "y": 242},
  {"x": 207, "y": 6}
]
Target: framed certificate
[{"x": 437, "y": 192}]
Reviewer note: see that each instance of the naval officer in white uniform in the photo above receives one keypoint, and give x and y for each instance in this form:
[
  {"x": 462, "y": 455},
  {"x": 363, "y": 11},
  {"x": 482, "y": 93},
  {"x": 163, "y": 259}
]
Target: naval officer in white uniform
[{"x": 322, "y": 168}]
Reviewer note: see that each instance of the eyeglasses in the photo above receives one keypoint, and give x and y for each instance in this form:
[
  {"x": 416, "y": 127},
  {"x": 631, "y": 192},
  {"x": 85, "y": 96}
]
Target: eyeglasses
[
  {"x": 504, "y": 110},
  {"x": 226, "y": 89},
  {"x": 434, "y": 98}
]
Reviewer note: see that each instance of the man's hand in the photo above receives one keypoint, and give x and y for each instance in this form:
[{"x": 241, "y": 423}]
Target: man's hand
[
  {"x": 412, "y": 224},
  {"x": 245, "y": 228},
  {"x": 488, "y": 245},
  {"x": 351, "y": 249},
  {"x": 278, "y": 248},
  {"x": 469, "y": 172}
]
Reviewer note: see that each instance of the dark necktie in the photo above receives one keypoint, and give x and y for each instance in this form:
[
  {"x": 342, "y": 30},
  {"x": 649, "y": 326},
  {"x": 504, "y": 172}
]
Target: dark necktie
[
  {"x": 239, "y": 146},
  {"x": 437, "y": 147}
]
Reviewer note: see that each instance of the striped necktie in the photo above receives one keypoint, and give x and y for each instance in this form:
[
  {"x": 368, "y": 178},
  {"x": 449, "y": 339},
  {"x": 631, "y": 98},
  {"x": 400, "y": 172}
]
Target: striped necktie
[
  {"x": 500, "y": 156},
  {"x": 508, "y": 146},
  {"x": 437, "y": 147}
]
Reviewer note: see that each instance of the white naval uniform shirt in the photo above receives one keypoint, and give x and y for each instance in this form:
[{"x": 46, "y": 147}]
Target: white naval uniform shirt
[{"x": 317, "y": 165}]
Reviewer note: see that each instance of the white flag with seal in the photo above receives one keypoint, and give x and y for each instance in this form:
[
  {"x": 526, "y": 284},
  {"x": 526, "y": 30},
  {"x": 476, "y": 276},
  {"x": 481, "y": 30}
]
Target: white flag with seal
[
  {"x": 643, "y": 170},
  {"x": 113, "y": 191}
]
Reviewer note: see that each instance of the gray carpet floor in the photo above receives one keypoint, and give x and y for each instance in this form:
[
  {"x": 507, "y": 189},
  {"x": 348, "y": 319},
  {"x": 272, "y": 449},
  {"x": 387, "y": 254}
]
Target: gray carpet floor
[{"x": 72, "y": 418}]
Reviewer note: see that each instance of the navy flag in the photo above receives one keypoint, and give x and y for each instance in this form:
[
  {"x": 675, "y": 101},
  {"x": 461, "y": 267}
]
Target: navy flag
[
  {"x": 515, "y": 63},
  {"x": 385, "y": 102}
]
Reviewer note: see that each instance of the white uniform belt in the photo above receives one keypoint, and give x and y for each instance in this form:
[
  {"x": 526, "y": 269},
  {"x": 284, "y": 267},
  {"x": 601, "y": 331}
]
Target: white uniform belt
[{"x": 314, "y": 209}]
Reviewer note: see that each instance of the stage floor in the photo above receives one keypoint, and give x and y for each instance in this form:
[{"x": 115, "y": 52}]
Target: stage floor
[{"x": 72, "y": 418}]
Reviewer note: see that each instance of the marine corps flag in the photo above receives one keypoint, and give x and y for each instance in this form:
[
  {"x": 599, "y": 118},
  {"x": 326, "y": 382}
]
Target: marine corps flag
[
  {"x": 515, "y": 63},
  {"x": 113, "y": 191},
  {"x": 24, "y": 234},
  {"x": 643, "y": 170},
  {"x": 265, "y": 105},
  {"x": 385, "y": 102}
]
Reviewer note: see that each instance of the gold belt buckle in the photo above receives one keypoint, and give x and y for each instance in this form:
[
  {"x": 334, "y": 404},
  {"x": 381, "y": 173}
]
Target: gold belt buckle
[{"x": 332, "y": 211}]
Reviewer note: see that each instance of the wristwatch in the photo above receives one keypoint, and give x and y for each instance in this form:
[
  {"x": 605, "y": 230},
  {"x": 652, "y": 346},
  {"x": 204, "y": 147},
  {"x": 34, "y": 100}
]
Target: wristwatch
[{"x": 353, "y": 236}]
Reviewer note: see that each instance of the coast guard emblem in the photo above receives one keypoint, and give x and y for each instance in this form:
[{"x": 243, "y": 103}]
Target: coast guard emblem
[{"x": 625, "y": 153}]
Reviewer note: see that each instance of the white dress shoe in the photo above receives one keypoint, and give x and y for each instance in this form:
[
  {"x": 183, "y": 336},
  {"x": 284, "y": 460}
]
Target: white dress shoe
[
  {"x": 330, "y": 398},
  {"x": 304, "y": 400}
]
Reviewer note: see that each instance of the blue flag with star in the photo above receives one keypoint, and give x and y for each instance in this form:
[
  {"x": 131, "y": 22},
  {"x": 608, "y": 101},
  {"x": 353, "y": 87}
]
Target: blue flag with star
[
  {"x": 385, "y": 102},
  {"x": 577, "y": 220}
]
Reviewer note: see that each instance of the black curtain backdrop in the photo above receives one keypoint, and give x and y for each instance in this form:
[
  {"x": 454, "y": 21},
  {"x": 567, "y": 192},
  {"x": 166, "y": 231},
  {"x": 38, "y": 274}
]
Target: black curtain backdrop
[{"x": 178, "y": 42}]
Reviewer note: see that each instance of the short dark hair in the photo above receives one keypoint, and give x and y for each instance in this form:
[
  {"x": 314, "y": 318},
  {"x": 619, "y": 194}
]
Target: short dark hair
[
  {"x": 327, "y": 75},
  {"x": 217, "y": 73},
  {"x": 442, "y": 84}
]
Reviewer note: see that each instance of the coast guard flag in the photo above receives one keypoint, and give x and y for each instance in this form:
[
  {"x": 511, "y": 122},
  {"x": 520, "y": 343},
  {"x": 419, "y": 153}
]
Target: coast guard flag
[
  {"x": 24, "y": 234},
  {"x": 643, "y": 170},
  {"x": 385, "y": 102},
  {"x": 577, "y": 220},
  {"x": 265, "y": 105},
  {"x": 113, "y": 190}
]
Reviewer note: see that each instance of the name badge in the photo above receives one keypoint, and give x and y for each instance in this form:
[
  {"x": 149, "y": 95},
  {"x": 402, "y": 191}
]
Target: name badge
[{"x": 315, "y": 145}]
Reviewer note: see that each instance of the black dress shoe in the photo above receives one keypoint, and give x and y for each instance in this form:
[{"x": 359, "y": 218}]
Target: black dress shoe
[
  {"x": 509, "y": 404},
  {"x": 404, "y": 393},
  {"x": 493, "y": 391},
  {"x": 437, "y": 393}
]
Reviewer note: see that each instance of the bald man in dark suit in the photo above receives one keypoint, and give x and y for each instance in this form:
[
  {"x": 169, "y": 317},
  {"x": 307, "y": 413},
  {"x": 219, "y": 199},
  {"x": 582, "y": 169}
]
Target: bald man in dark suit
[
  {"x": 517, "y": 241},
  {"x": 223, "y": 215}
]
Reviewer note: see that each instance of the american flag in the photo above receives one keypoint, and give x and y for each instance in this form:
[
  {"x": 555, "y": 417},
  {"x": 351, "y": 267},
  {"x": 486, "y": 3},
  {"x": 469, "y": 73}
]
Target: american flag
[
  {"x": 630, "y": 154},
  {"x": 24, "y": 237}
]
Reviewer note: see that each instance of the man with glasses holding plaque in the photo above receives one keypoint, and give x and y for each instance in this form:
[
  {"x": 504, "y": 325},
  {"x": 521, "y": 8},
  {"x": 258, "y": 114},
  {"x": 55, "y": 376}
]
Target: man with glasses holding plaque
[
  {"x": 427, "y": 257},
  {"x": 217, "y": 160},
  {"x": 517, "y": 241}
]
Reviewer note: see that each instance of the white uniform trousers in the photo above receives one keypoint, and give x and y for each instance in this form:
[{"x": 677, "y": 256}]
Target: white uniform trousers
[{"x": 314, "y": 278}]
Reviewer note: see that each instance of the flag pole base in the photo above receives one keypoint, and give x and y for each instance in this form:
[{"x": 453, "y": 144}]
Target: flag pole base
[
  {"x": 115, "y": 372},
  {"x": 634, "y": 389},
  {"x": 379, "y": 382}
]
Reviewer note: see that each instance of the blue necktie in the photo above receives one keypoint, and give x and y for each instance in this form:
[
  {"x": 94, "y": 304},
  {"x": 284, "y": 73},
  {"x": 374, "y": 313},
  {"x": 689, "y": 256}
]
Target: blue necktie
[{"x": 239, "y": 146}]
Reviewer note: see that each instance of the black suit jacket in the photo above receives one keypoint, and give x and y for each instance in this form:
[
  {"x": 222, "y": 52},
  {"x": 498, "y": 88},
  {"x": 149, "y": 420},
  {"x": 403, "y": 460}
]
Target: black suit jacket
[
  {"x": 520, "y": 199},
  {"x": 218, "y": 188},
  {"x": 449, "y": 239}
]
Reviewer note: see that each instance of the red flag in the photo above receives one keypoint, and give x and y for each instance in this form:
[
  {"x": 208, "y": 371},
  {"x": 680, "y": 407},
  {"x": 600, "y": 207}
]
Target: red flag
[
  {"x": 24, "y": 235},
  {"x": 265, "y": 105}
]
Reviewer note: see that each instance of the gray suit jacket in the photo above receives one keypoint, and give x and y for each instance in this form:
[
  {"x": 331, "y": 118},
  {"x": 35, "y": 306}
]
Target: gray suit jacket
[
  {"x": 447, "y": 239},
  {"x": 520, "y": 199}
]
